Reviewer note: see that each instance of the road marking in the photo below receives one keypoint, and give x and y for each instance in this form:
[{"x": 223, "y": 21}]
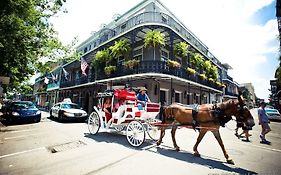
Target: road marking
[
  {"x": 21, "y": 152},
  {"x": 16, "y": 137},
  {"x": 24, "y": 130},
  {"x": 269, "y": 149}
]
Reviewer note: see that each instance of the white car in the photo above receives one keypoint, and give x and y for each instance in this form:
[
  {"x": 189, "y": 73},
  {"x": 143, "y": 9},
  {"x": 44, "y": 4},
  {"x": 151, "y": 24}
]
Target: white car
[
  {"x": 273, "y": 114},
  {"x": 67, "y": 110}
]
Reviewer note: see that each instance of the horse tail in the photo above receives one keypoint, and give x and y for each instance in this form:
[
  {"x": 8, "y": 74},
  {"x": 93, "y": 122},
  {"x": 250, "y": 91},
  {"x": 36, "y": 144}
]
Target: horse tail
[{"x": 162, "y": 114}]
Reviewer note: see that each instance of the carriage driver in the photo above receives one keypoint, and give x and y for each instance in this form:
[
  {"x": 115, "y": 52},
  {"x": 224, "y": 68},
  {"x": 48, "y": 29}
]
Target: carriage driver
[{"x": 142, "y": 98}]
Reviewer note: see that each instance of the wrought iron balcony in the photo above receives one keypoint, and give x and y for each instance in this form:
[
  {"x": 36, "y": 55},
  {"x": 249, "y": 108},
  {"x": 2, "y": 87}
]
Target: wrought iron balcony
[{"x": 143, "y": 67}]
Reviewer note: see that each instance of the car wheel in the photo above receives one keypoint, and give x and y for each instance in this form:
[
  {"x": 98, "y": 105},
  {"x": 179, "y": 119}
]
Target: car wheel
[
  {"x": 60, "y": 116},
  {"x": 51, "y": 116},
  {"x": 38, "y": 120}
]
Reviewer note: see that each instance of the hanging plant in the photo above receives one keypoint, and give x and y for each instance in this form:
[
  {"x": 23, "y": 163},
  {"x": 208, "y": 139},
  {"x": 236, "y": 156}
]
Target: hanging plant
[
  {"x": 102, "y": 56},
  {"x": 202, "y": 76},
  {"x": 195, "y": 60},
  {"x": 181, "y": 49},
  {"x": 173, "y": 64},
  {"x": 108, "y": 70},
  {"x": 211, "y": 80},
  {"x": 190, "y": 70},
  {"x": 120, "y": 48},
  {"x": 131, "y": 64}
]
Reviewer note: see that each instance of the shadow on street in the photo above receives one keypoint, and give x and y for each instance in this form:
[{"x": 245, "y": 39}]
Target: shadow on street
[{"x": 203, "y": 160}]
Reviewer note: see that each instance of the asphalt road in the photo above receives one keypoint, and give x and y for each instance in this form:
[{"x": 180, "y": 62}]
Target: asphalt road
[{"x": 52, "y": 147}]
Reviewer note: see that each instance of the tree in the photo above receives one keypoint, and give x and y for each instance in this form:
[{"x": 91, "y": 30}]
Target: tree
[
  {"x": 26, "y": 36},
  {"x": 154, "y": 38}
]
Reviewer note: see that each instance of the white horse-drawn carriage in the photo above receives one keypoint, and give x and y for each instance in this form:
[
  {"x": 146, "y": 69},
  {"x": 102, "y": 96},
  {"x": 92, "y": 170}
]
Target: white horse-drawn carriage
[{"x": 123, "y": 113}]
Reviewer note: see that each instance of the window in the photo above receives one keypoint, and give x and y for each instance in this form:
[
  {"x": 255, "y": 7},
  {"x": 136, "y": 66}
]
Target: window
[
  {"x": 164, "y": 55},
  {"x": 164, "y": 19},
  {"x": 85, "y": 49},
  {"x": 137, "y": 53},
  {"x": 178, "y": 97}
]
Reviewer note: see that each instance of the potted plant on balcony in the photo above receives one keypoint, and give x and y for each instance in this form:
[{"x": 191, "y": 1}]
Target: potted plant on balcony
[
  {"x": 173, "y": 64},
  {"x": 190, "y": 71},
  {"x": 101, "y": 59},
  {"x": 195, "y": 60},
  {"x": 131, "y": 64},
  {"x": 202, "y": 76},
  {"x": 181, "y": 49},
  {"x": 154, "y": 38},
  {"x": 120, "y": 49},
  {"x": 108, "y": 70}
]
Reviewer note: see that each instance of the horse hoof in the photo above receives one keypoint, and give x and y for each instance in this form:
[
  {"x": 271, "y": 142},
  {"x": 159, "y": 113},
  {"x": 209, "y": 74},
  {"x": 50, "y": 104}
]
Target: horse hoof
[
  {"x": 196, "y": 154},
  {"x": 158, "y": 143},
  {"x": 230, "y": 161},
  {"x": 177, "y": 148}
]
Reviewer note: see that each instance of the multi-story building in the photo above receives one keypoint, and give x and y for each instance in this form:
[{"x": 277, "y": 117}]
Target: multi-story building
[
  {"x": 164, "y": 82},
  {"x": 231, "y": 87},
  {"x": 250, "y": 93}
]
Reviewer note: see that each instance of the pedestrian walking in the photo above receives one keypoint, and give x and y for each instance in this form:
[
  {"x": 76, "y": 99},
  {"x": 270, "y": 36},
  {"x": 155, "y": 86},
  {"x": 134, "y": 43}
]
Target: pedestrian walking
[{"x": 264, "y": 122}]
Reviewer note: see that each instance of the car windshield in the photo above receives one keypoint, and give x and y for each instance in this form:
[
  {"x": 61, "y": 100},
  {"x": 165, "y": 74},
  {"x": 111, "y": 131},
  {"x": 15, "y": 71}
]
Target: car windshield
[
  {"x": 23, "y": 105},
  {"x": 70, "y": 106}
]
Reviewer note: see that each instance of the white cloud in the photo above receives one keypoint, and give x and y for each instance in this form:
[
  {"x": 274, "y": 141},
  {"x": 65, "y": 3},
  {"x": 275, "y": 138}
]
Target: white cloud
[{"x": 222, "y": 25}]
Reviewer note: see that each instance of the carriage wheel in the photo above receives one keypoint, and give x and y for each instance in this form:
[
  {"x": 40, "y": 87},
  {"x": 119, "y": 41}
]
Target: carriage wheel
[
  {"x": 119, "y": 128},
  {"x": 94, "y": 123},
  {"x": 135, "y": 133},
  {"x": 153, "y": 132}
]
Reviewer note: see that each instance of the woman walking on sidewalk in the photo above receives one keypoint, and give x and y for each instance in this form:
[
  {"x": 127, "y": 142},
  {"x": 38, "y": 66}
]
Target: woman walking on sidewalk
[{"x": 264, "y": 122}]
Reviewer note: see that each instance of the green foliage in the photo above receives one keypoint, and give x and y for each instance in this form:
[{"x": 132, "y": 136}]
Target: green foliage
[
  {"x": 213, "y": 73},
  {"x": 173, "y": 64},
  {"x": 196, "y": 59},
  {"x": 202, "y": 76},
  {"x": 26, "y": 36},
  {"x": 154, "y": 38},
  {"x": 109, "y": 70},
  {"x": 131, "y": 64},
  {"x": 190, "y": 70},
  {"x": 207, "y": 66},
  {"x": 181, "y": 49},
  {"x": 120, "y": 48},
  {"x": 102, "y": 56}
]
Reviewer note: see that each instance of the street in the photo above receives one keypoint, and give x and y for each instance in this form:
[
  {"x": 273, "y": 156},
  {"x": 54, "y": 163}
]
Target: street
[{"x": 52, "y": 147}]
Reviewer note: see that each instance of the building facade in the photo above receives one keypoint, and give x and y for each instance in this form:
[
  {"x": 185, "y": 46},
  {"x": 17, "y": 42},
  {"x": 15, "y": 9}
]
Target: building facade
[
  {"x": 249, "y": 93},
  {"x": 165, "y": 83}
]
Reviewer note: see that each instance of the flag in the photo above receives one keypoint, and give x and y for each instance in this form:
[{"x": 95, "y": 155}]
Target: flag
[
  {"x": 46, "y": 80},
  {"x": 65, "y": 73},
  {"x": 84, "y": 66}
]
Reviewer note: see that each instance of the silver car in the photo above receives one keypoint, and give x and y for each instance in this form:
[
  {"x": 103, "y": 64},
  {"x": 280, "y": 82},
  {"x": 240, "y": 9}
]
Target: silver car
[{"x": 67, "y": 110}]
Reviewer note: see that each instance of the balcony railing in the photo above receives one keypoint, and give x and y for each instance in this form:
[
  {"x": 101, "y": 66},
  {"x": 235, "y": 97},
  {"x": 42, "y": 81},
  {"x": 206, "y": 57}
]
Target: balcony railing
[
  {"x": 231, "y": 93},
  {"x": 143, "y": 67}
]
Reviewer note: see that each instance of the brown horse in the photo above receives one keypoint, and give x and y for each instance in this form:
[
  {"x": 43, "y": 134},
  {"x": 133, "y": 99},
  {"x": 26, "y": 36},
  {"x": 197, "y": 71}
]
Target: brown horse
[{"x": 208, "y": 117}]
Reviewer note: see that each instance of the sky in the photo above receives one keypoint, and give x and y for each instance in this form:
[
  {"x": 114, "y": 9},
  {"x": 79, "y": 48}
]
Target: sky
[{"x": 242, "y": 33}]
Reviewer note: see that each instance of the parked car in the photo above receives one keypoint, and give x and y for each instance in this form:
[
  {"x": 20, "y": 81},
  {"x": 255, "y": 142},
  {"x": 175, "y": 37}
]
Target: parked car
[
  {"x": 67, "y": 110},
  {"x": 273, "y": 114},
  {"x": 22, "y": 111}
]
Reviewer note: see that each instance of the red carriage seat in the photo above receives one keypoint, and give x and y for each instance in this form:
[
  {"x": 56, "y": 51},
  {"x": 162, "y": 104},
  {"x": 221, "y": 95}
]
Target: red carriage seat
[{"x": 152, "y": 107}]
